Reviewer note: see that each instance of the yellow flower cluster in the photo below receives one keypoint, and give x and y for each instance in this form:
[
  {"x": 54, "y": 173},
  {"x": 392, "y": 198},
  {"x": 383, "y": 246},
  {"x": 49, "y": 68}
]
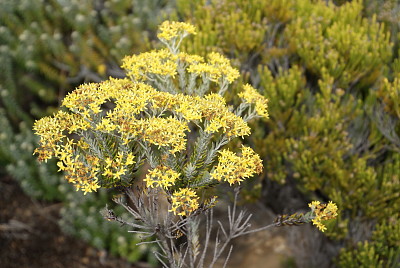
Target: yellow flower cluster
[
  {"x": 52, "y": 130},
  {"x": 189, "y": 107},
  {"x": 184, "y": 202},
  {"x": 80, "y": 170},
  {"x": 211, "y": 107},
  {"x": 87, "y": 99},
  {"x": 323, "y": 212},
  {"x": 216, "y": 68},
  {"x": 250, "y": 95},
  {"x": 173, "y": 29},
  {"x": 162, "y": 132},
  {"x": 158, "y": 62},
  {"x": 162, "y": 177},
  {"x": 117, "y": 166},
  {"x": 219, "y": 117},
  {"x": 234, "y": 169},
  {"x": 144, "y": 66},
  {"x": 187, "y": 59},
  {"x": 130, "y": 99}
]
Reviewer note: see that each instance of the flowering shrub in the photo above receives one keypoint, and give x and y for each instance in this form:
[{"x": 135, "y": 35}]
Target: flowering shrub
[
  {"x": 109, "y": 129},
  {"x": 168, "y": 121}
]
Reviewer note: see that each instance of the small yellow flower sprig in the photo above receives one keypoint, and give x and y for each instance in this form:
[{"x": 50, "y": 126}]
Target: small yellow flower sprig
[
  {"x": 167, "y": 68},
  {"x": 172, "y": 33},
  {"x": 184, "y": 202},
  {"x": 322, "y": 212},
  {"x": 234, "y": 169},
  {"x": 319, "y": 212},
  {"x": 162, "y": 176},
  {"x": 251, "y": 96}
]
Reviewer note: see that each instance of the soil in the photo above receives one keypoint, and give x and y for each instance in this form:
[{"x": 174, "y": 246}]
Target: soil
[{"x": 30, "y": 236}]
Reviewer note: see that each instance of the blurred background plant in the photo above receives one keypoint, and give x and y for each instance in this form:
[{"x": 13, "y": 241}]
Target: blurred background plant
[{"x": 329, "y": 69}]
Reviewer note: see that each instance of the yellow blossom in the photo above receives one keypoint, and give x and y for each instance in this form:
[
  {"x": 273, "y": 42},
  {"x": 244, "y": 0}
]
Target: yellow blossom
[
  {"x": 116, "y": 119},
  {"x": 173, "y": 29},
  {"x": 161, "y": 176},
  {"x": 219, "y": 61},
  {"x": 322, "y": 212},
  {"x": 234, "y": 169},
  {"x": 189, "y": 107},
  {"x": 188, "y": 58},
  {"x": 52, "y": 130},
  {"x": 85, "y": 99},
  {"x": 79, "y": 170},
  {"x": 184, "y": 202},
  {"x": 217, "y": 67},
  {"x": 118, "y": 166},
  {"x": 106, "y": 125},
  {"x": 219, "y": 117},
  {"x": 250, "y": 95},
  {"x": 163, "y": 132},
  {"x": 157, "y": 62}
]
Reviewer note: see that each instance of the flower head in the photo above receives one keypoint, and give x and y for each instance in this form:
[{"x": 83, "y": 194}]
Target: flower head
[
  {"x": 322, "y": 212},
  {"x": 161, "y": 176},
  {"x": 251, "y": 96},
  {"x": 146, "y": 65},
  {"x": 216, "y": 68},
  {"x": 184, "y": 202},
  {"x": 234, "y": 169},
  {"x": 173, "y": 29}
]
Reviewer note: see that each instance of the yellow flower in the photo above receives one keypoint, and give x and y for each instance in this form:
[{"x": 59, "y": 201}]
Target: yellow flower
[
  {"x": 79, "y": 170},
  {"x": 118, "y": 166},
  {"x": 163, "y": 132},
  {"x": 217, "y": 67},
  {"x": 189, "y": 107},
  {"x": 217, "y": 113},
  {"x": 119, "y": 117},
  {"x": 234, "y": 169},
  {"x": 86, "y": 99},
  {"x": 173, "y": 29},
  {"x": 161, "y": 176},
  {"x": 322, "y": 212},
  {"x": 250, "y": 95},
  {"x": 189, "y": 59},
  {"x": 219, "y": 61},
  {"x": 106, "y": 125},
  {"x": 52, "y": 131},
  {"x": 184, "y": 202},
  {"x": 144, "y": 65}
]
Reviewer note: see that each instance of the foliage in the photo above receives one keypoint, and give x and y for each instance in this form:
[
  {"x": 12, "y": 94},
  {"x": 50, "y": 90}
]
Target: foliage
[{"x": 382, "y": 251}]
